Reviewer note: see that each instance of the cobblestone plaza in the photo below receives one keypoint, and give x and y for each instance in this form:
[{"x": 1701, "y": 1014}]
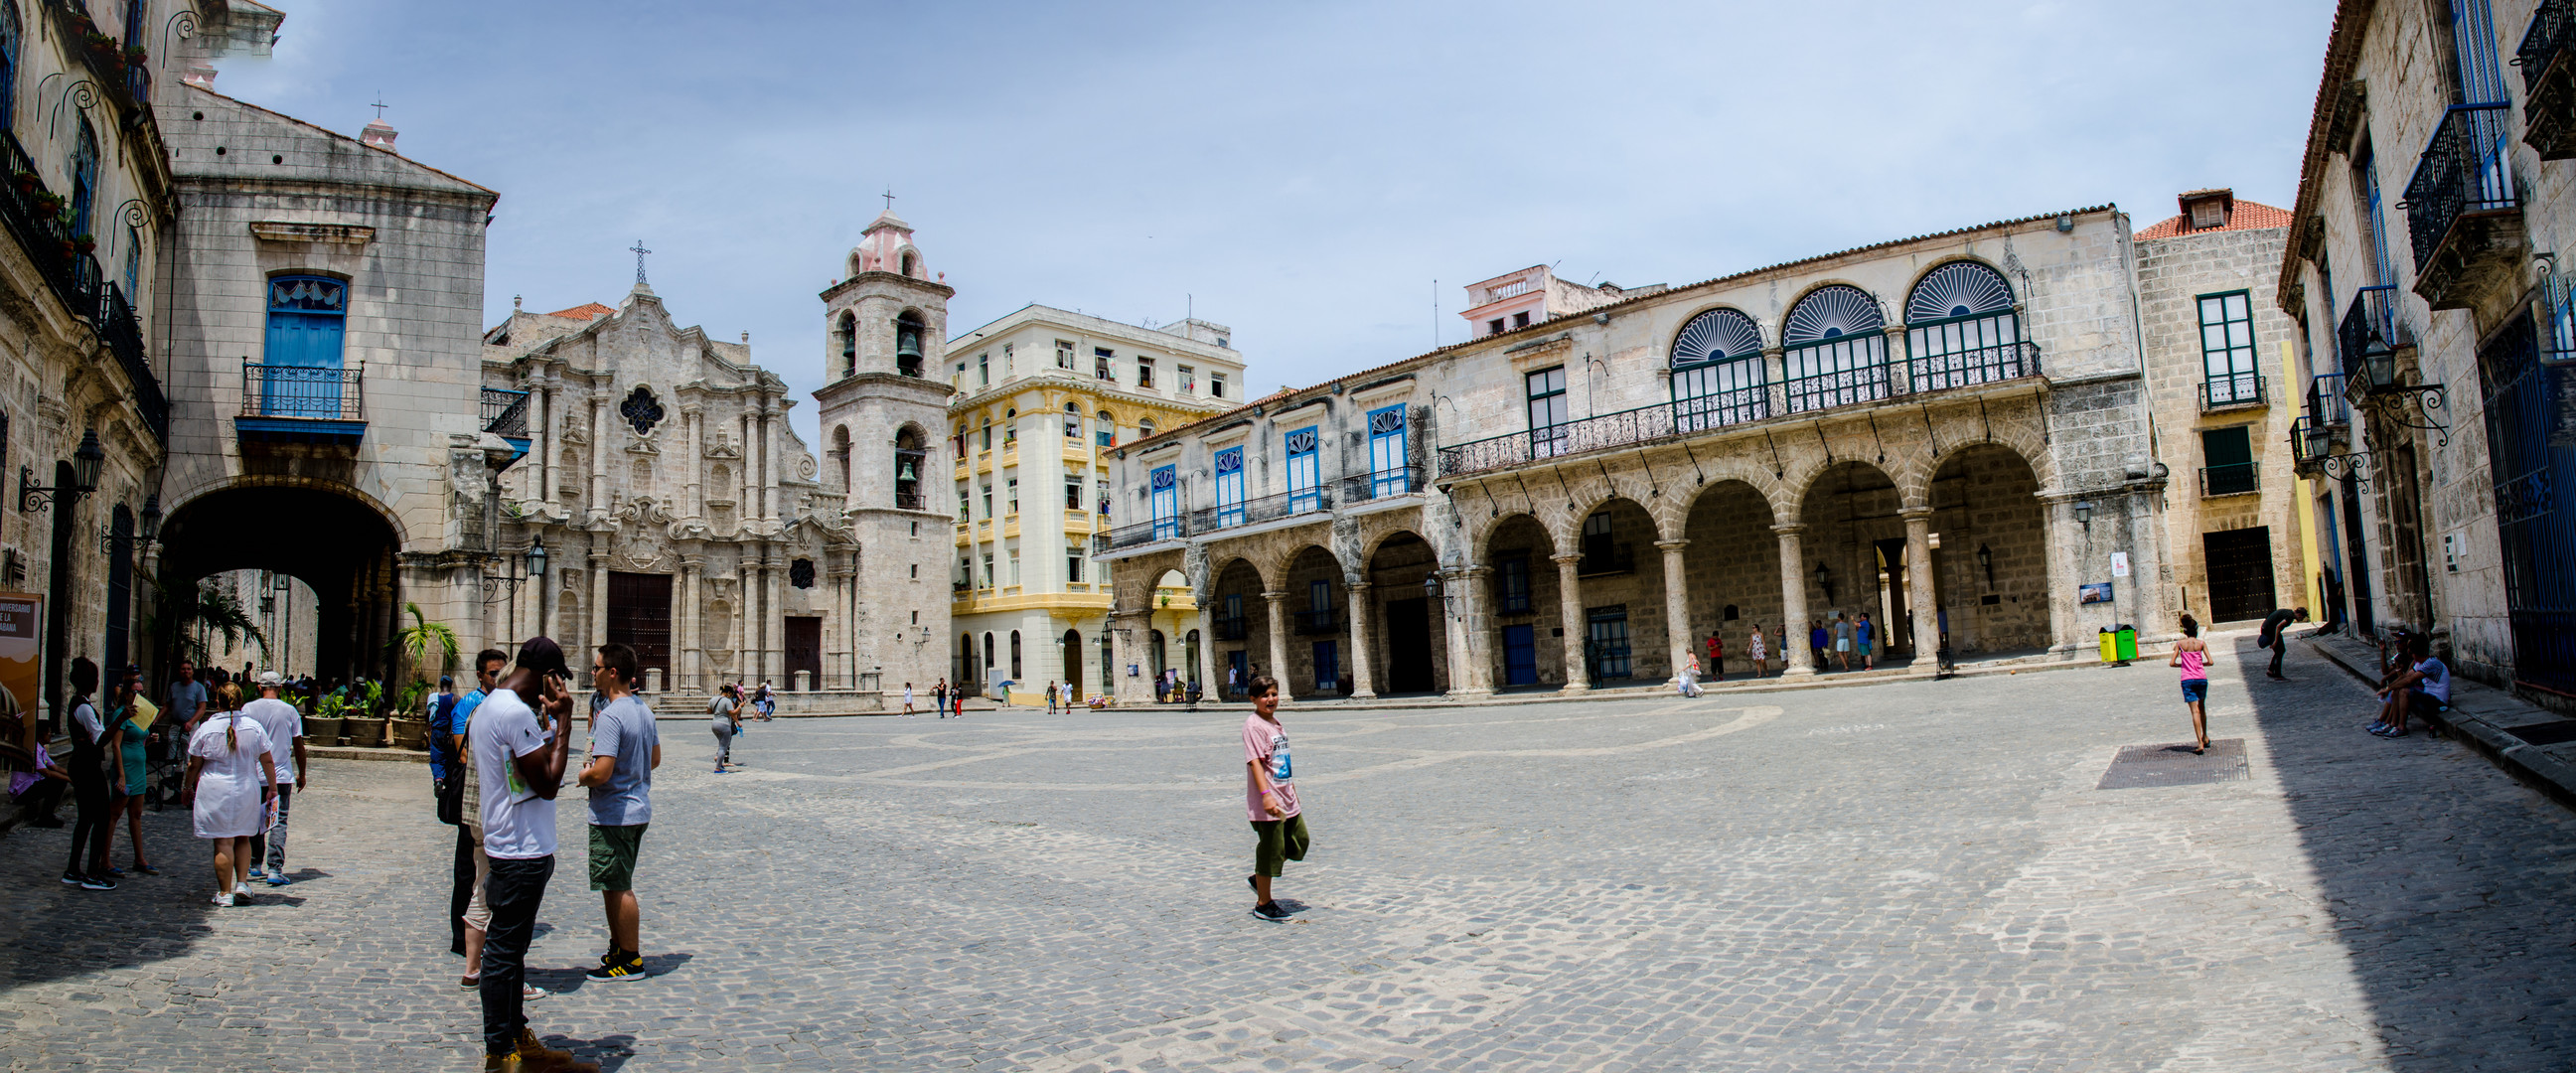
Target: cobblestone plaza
[{"x": 1907, "y": 875}]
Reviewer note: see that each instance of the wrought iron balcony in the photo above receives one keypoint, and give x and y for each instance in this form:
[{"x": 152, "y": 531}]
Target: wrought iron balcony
[
  {"x": 1146, "y": 532},
  {"x": 2229, "y": 391},
  {"x": 1969, "y": 368},
  {"x": 1842, "y": 387},
  {"x": 302, "y": 404},
  {"x": 2367, "y": 341},
  {"x": 124, "y": 336},
  {"x": 2549, "y": 80},
  {"x": 2310, "y": 442},
  {"x": 2463, "y": 216},
  {"x": 505, "y": 413},
  {"x": 1229, "y": 627},
  {"x": 2326, "y": 405},
  {"x": 1314, "y": 623},
  {"x": 1255, "y": 511},
  {"x": 1402, "y": 480},
  {"x": 2232, "y": 480}
]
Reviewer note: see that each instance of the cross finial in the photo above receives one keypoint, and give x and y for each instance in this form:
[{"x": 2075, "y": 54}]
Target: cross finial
[
  {"x": 639, "y": 251},
  {"x": 379, "y": 106},
  {"x": 889, "y": 196}
]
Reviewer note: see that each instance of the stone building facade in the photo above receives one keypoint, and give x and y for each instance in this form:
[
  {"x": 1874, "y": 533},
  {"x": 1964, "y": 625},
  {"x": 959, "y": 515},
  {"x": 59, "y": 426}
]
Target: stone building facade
[
  {"x": 1946, "y": 430},
  {"x": 681, "y": 514},
  {"x": 1045, "y": 397},
  {"x": 2225, "y": 389},
  {"x": 2436, "y": 198}
]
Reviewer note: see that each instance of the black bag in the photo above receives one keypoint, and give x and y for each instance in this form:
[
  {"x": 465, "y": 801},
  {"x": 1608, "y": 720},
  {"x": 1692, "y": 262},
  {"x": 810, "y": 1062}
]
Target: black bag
[{"x": 451, "y": 800}]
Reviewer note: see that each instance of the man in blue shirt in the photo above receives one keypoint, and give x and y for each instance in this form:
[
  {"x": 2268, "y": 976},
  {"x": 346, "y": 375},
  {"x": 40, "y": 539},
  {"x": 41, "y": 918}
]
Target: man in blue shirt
[
  {"x": 443, "y": 763},
  {"x": 487, "y": 668}
]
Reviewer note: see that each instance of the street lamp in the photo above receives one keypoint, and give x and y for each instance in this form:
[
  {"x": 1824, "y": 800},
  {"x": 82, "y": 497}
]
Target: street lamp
[
  {"x": 2084, "y": 513},
  {"x": 1431, "y": 585},
  {"x": 1986, "y": 562},
  {"x": 1825, "y": 580},
  {"x": 499, "y": 586},
  {"x": 109, "y": 538},
  {"x": 86, "y": 463}
]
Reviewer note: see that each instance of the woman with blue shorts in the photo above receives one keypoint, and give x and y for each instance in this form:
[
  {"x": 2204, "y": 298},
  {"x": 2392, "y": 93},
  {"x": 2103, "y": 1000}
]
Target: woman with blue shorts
[{"x": 2192, "y": 655}]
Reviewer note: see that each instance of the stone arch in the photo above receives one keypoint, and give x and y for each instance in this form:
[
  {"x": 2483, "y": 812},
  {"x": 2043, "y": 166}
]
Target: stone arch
[
  {"x": 1625, "y": 632},
  {"x": 1239, "y": 619},
  {"x": 1852, "y": 511},
  {"x": 345, "y": 547},
  {"x": 910, "y": 342},
  {"x": 2013, "y": 427},
  {"x": 1733, "y": 562},
  {"x": 1522, "y": 591},
  {"x": 1994, "y": 546},
  {"x": 1407, "y": 633},
  {"x": 845, "y": 335},
  {"x": 840, "y": 450},
  {"x": 1316, "y": 606}
]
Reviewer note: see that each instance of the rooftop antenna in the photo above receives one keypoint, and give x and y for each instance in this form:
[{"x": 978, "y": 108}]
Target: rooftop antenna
[{"x": 639, "y": 251}]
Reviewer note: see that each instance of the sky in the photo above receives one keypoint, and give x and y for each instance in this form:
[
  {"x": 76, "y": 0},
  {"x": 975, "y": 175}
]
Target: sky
[{"x": 1303, "y": 173}]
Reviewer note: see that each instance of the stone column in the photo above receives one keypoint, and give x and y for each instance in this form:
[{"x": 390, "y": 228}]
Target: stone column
[
  {"x": 1578, "y": 629},
  {"x": 598, "y": 498},
  {"x": 746, "y": 479},
  {"x": 1919, "y": 589},
  {"x": 544, "y": 402},
  {"x": 1278, "y": 602},
  {"x": 773, "y": 623},
  {"x": 1363, "y": 681},
  {"x": 1468, "y": 607},
  {"x": 691, "y": 669},
  {"x": 1799, "y": 661},
  {"x": 1129, "y": 633},
  {"x": 598, "y": 628},
  {"x": 2067, "y": 542},
  {"x": 1677, "y": 627},
  {"x": 769, "y": 464},
  {"x": 694, "y": 504}
]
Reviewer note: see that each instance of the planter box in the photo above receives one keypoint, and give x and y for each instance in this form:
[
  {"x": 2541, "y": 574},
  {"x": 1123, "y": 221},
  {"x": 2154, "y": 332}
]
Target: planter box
[
  {"x": 322, "y": 731},
  {"x": 411, "y": 734},
  {"x": 368, "y": 732}
]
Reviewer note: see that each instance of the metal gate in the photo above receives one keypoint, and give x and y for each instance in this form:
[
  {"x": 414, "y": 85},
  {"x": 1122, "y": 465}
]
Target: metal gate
[
  {"x": 2533, "y": 482},
  {"x": 2240, "y": 573},
  {"x": 639, "y": 616}
]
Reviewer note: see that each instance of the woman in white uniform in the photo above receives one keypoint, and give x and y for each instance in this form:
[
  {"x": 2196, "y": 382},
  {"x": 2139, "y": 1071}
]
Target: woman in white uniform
[{"x": 228, "y": 771}]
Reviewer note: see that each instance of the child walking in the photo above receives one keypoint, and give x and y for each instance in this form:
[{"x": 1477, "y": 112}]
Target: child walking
[
  {"x": 2192, "y": 655},
  {"x": 1270, "y": 793}
]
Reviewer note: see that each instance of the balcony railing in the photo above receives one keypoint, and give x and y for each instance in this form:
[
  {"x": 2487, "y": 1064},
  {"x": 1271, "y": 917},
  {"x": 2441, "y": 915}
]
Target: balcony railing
[
  {"x": 2549, "y": 80},
  {"x": 307, "y": 392},
  {"x": 2326, "y": 405},
  {"x": 1264, "y": 509},
  {"x": 505, "y": 413},
  {"x": 2230, "y": 480},
  {"x": 1312, "y": 623},
  {"x": 2228, "y": 391},
  {"x": 1681, "y": 417},
  {"x": 2465, "y": 172},
  {"x": 2310, "y": 442},
  {"x": 1402, "y": 480},
  {"x": 1147, "y": 532},
  {"x": 124, "y": 336},
  {"x": 2371, "y": 333},
  {"x": 1229, "y": 627}
]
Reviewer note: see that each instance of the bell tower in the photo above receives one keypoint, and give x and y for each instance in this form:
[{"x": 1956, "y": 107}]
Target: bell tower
[{"x": 884, "y": 417}]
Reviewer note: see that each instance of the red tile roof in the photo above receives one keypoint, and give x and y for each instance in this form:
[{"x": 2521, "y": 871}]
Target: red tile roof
[
  {"x": 584, "y": 311},
  {"x": 2249, "y": 216}
]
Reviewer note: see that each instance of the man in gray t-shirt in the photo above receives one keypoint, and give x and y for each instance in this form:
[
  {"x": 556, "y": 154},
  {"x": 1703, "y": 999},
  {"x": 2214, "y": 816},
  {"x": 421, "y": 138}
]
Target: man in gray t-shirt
[{"x": 624, "y": 750}]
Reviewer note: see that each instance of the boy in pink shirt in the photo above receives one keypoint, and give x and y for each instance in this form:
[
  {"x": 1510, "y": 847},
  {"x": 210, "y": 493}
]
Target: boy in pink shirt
[{"x": 1270, "y": 794}]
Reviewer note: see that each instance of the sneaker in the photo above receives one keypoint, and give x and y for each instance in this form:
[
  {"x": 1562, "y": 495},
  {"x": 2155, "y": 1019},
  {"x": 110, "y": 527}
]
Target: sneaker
[
  {"x": 241, "y": 900},
  {"x": 469, "y": 983},
  {"x": 613, "y": 969},
  {"x": 241, "y": 889},
  {"x": 279, "y": 880},
  {"x": 225, "y": 900},
  {"x": 71, "y": 879},
  {"x": 531, "y": 992},
  {"x": 1271, "y": 912},
  {"x": 256, "y": 872},
  {"x": 97, "y": 883}
]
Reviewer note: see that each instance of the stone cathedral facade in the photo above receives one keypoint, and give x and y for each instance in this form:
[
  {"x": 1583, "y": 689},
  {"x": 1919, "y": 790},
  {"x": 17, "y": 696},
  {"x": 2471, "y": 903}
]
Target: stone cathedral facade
[{"x": 682, "y": 515}]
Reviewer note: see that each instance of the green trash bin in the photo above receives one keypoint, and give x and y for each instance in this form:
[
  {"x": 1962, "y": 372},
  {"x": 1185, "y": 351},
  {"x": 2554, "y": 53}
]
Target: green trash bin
[{"x": 2128, "y": 643}]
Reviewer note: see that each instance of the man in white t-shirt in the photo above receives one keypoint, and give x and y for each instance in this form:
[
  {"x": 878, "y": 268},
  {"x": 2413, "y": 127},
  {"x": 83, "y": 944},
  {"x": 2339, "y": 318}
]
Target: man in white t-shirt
[
  {"x": 519, "y": 757},
  {"x": 285, "y": 727}
]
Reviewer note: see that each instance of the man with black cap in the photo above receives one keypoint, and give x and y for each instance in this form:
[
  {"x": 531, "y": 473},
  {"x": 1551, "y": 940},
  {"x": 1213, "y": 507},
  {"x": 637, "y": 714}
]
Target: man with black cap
[{"x": 519, "y": 741}]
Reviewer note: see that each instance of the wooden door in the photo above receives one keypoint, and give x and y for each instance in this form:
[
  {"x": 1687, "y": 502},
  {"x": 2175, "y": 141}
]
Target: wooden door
[
  {"x": 804, "y": 652},
  {"x": 639, "y": 617}
]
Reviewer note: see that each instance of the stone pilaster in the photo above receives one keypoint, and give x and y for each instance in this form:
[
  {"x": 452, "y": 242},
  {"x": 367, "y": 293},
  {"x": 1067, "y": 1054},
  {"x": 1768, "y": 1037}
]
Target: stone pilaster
[
  {"x": 1798, "y": 659},
  {"x": 1677, "y": 628},
  {"x": 1919, "y": 592},
  {"x": 1278, "y": 671},
  {"x": 1468, "y": 605},
  {"x": 1363, "y": 683},
  {"x": 1578, "y": 629}
]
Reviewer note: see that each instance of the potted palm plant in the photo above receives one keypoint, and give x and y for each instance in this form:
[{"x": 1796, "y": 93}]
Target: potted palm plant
[
  {"x": 323, "y": 725},
  {"x": 416, "y": 643},
  {"x": 365, "y": 722}
]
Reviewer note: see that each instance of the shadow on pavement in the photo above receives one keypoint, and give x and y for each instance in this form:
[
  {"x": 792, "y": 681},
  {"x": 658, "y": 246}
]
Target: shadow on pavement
[
  {"x": 2447, "y": 879},
  {"x": 54, "y": 931}
]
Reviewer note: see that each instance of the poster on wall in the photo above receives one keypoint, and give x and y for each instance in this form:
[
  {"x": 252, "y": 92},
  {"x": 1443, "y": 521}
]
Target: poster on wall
[
  {"x": 2119, "y": 564},
  {"x": 2098, "y": 592},
  {"x": 22, "y": 616}
]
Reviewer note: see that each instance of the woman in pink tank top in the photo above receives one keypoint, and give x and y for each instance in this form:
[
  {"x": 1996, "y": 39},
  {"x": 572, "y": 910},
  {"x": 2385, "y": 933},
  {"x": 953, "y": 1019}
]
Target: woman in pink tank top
[{"x": 2192, "y": 655}]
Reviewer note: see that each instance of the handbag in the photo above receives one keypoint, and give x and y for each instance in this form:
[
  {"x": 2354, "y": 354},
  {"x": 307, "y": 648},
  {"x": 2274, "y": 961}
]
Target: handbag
[{"x": 451, "y": 800}]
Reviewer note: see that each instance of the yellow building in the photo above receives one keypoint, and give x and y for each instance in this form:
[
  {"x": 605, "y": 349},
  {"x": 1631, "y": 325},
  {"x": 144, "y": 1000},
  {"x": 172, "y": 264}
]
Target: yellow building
[{"x": 1044, "y": 396}]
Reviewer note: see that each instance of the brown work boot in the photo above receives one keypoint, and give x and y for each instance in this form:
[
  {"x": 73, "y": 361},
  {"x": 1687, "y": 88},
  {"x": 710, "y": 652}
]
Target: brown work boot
[
  {"x": 533, "y": 1050},
  {"x": 502, "y": 1063}
]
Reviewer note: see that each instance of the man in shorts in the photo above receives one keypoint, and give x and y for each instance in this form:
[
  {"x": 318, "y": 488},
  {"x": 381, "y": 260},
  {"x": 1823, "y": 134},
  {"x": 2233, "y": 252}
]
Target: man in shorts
[
  {"x": 624, "y": 750},
  {"x": 2423, "y": 688},
  {"x": 1270, "y": 792},
  {"x": 1863, "y": 634}
]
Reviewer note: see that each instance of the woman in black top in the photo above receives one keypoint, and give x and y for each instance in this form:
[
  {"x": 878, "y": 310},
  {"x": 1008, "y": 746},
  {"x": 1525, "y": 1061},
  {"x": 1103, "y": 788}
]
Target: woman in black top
[{"x": 90, "y": 742}]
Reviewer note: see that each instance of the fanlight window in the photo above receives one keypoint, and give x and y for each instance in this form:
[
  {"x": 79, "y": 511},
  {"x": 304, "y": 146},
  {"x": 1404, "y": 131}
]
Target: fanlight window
[
  {"x": 1961, "y": 329},
  {"x": 1717, "y": 372},
  {"x": 1834, "y": 349}
]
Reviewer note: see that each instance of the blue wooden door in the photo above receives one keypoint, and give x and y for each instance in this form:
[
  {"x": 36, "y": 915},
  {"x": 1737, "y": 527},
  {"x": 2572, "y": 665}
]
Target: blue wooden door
[
  {"x": 1520, "y": 656},
  {"x": 1328, "y": 667},
  {"x": 306, "y": 317}
]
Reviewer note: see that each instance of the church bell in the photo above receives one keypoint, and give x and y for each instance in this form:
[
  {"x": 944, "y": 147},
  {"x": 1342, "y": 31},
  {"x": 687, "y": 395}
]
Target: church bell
[{"x": 904, "y": 473}]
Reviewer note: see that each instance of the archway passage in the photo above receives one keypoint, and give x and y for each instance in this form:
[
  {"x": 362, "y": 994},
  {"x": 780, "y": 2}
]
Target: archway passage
[
  {"x": 1312, "y": 663},
  {"x": 1992, "y": 565},
  {"x": 1072, "y": 645},
  {"x": 1855, "y": 569},
  {"x": 334, "y": 543},
  {"x": 1731, "y": 571},
  {"x": 1408, "y": 634},
  {"x": 1241, "y": 622},
  {"x": 1621, "y": 577},
  {"x": 1529, "y": 642}
]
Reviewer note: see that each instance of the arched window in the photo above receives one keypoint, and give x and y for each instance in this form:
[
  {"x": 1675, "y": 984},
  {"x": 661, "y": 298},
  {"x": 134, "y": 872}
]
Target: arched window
[
  {"x": 84, "y": 169},
  {"x": 1072, "y": 656},
  {"x": 1144, "y": 427},
  {"x": 1717, "y": 372},
  {"x": 300, "y": 366},
  {"x": 1072, "y": 421},
  {"x": 907, "y": 344},
  {"x": 1108, "y": 662},
  {"x": 1015, "y": 655},
  {"x": 965, "y": 660},
  {"x": 841, "y": 455},
  {"x": 847, "y": 334},
  {"x": 12, "y": 34},
  {"x": 1834, "y": 349},
  {"x": 910, "y": 263},
  {"x": 1960, "y": 329},
  {"x": 988, "y": 650}
]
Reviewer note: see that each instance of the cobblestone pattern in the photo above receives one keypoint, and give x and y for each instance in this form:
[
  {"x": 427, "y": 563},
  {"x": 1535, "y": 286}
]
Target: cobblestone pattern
[{"x": 1914, "y": 876}]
